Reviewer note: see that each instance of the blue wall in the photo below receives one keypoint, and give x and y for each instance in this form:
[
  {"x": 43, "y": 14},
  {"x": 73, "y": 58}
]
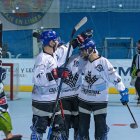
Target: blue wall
[
  {"x": 108, "y": 24},
  {"x": 19, "y": 42},
  {"x": 104, "y": 24}
]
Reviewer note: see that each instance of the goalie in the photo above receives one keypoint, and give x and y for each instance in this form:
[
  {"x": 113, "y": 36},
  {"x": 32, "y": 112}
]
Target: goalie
[{"x": 5, "y": 119}]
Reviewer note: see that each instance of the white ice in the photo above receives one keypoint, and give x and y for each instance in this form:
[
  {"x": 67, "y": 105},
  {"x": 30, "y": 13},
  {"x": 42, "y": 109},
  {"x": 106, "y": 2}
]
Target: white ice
[{"x": 21, "y": 114}]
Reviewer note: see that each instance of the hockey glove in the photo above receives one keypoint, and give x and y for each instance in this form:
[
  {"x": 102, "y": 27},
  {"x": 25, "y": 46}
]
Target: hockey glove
[
  {"x": 58, "y": 73},
  {"x": 53, "y": 75},
  {"x": 87, "y": 34},
  {"x": 76, "y": 43},
  {"x": 63, "y": 72},
  {"x": 124, "y": 96},
  {"x": 2, "y": 74},
  {"x": 79, "y": 40}
]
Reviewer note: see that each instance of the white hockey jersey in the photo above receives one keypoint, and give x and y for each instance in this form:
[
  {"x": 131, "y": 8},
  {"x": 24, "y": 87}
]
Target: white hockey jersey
[
  {"x": 97, "y": 75},
  {"x": 71, "y": 85},
  {"x": 61, "y": 54},
  {"x": 44, "y": 89}
]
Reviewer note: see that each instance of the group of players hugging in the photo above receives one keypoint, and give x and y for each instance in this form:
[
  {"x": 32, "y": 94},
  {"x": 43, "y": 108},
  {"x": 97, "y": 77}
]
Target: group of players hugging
[{"x": 84, "y": 90}]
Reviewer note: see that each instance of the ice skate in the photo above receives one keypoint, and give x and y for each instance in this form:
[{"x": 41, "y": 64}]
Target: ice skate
[{"x": 14, "y": 137}]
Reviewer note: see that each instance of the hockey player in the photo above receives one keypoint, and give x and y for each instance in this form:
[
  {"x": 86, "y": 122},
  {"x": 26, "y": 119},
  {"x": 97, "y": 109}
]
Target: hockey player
[
  {"x": 69, "y": 94},
  {"x": 5, "y": 119},
  {"x": 71, "y": 85},
  {"x": 98, "y": 72},
  {"x": 135, "y": 71},
  {"x": 62, "y": 48},
  {"x": 46, "y": 73},
  {"x": 61, "y": 52}
]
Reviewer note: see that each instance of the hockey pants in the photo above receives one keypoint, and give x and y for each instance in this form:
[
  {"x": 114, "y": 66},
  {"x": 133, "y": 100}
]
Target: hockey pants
[
  {"x": 99, "y": 114},
  {"x": 70, "y": 106}
]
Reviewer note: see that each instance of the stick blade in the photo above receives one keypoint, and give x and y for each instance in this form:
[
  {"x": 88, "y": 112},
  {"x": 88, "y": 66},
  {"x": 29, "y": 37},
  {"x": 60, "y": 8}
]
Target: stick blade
[
  {"x": 81, "y": 23},
  {"x": 133, "y": 125}
]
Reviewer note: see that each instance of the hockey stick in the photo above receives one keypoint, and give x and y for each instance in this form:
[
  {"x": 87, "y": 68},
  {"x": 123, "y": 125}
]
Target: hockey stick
[
  {"x": 62, "y": 110},
  {"x": 80, "y": 24},
  {"x": 132, "y": 125},
  {"x": 63, "y": 116}
]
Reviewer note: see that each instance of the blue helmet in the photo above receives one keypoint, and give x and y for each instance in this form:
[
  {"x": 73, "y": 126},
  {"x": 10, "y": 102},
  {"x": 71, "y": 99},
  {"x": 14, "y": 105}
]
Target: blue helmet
[
  {"x": 88, "y": 43},
  {"x": 47, "y": 36}
]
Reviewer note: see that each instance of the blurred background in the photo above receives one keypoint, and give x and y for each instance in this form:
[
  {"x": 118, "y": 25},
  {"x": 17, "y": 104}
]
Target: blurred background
[{"x": 115, "y": 24}]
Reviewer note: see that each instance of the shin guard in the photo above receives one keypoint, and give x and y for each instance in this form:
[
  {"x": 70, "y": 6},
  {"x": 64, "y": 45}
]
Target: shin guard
[
  {"x": 58, "y": 136},
  {"x": 35, "y": 135},
  {"x": 104, "y": 137},
  {"x": 82, "y": 138},
  {"x": 75, "y": 134}
]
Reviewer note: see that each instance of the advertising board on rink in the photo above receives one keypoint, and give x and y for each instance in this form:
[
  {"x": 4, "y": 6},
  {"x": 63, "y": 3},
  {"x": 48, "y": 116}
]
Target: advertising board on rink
[{"x": 122, "y": 66}]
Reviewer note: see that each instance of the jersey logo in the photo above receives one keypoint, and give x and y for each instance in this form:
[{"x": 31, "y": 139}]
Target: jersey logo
[
  {"x": 99, "y": 68},
  {"x": 89, "y": 79},
  {"x": 90, "y": 92},
  {"x": 76, "y": 63},
  {"x": 39, "y": 75},
  {"x": 71, "y": 80},
  {"x": 57, "y": 56},
  {"x": 117, "y": 81}
]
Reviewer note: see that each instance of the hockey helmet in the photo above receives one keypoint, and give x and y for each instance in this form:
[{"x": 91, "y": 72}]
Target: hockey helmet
[
  {"x": 89, "y": 43},
  {"x": 47, "y": 36}
]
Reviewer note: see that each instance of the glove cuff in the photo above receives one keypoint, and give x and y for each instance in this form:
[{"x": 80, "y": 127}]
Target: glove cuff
[{"x": 124, "y": 92}]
